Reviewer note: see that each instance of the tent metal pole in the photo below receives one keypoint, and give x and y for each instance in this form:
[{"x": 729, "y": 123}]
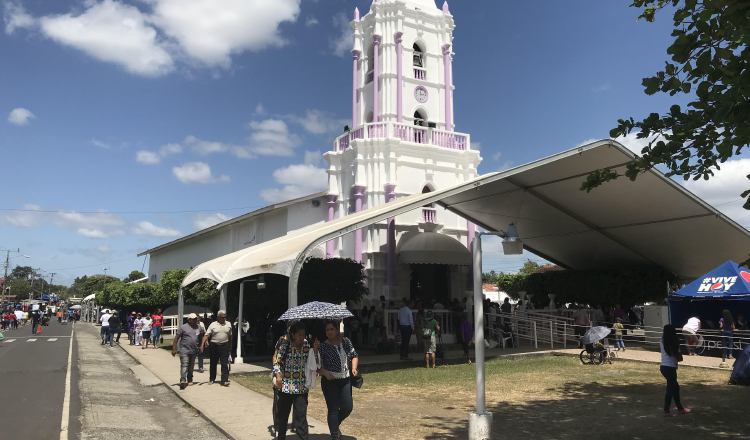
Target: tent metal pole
[
  {"x": 223, "y": 298},
  {"x": 480, "y": 421},
  {"x": 238, "y": 354},
  {"x": 180, "y": 308}
]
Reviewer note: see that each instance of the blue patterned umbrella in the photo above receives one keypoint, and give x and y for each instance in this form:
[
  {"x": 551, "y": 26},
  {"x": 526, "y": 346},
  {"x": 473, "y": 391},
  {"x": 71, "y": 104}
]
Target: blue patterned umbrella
[{"x": 316, "y": 310}]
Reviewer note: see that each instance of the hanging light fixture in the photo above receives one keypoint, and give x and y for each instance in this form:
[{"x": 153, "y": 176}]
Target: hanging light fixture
[{"x": 512, "y": 243}]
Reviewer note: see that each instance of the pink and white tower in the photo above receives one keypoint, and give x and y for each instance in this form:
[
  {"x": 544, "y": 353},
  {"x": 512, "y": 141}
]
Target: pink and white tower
[{"x": 401, "y": 141}]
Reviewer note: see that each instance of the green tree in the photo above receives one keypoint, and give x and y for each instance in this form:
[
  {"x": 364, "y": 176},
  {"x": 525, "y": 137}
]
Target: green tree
[
  {"x": 135, "y": 275},
  {"x": 710, "y": 62},
  {"x": 333, "y": 280},
  {"x": 530, "y": 267}
]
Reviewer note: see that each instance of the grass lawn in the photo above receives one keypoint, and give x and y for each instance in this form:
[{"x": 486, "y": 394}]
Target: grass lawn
[{"x": 550, "y": 397}]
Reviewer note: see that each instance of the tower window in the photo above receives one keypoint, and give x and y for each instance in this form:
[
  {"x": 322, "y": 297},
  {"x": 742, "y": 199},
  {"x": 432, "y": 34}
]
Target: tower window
[
  {"x": 420, "y": 118},
  {"x": 418, "y": 55}
]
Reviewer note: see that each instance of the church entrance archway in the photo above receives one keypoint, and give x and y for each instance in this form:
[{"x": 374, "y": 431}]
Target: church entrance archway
[{"x": 430, "y": 284}]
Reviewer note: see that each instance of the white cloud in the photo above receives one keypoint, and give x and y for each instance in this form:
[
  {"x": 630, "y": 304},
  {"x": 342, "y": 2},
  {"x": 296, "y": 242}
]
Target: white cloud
[
  {"x": 210, "y": 32},
  {"x": 92, "y": 233},
  {"x": 313, "y": 158},
  {"x": 342, "y": 44},
  {"x": 197, "y": 172},
  {"x": 203, "y": 221},
  {"x": 260, "y": 109},
  {"x": 271, "y": 137},
  {"x": 319, "y": 122},
  {"x": 170, "y": 149},
  {"x": 204, "y": 148},
  {"x": 298, "y": 180},
  {"x": 101, "y": 144},
  {"x": 16, "y": 17},
  {"x": 148, "y": 228},
  {"x": 26, "y": 218},
  {"x": 723, "y": 190},
  {"x": 113, "y": 32},
  {"x": 311, "y": 21},
  {"x": 147, "y": 157},
  {"x": 20, "y": 116},
  {"x": 91, "y": 225}
]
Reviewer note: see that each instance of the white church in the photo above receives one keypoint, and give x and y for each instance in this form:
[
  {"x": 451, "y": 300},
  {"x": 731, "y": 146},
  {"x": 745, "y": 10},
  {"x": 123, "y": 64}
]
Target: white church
[{"x": 402, "y": 140}]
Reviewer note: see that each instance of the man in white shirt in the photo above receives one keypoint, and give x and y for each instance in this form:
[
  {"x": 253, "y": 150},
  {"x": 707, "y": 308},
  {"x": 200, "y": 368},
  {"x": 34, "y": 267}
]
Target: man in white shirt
[
  {"x": 406, "y": 326},
  {"x": 219, "y": 340},
  {"x": 105, "y": 325}
]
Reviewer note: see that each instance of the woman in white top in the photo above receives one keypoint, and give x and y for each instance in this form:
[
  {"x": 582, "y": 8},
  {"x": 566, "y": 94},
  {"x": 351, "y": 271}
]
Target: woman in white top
[
  {"x": 146, "y": 322},
  {"x": 670, "y": 356},
  {"x": 138, "y": 329}
]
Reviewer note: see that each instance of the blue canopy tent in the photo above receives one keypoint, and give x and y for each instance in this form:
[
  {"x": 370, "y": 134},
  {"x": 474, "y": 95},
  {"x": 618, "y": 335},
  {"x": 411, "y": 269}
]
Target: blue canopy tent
[{"x": 724, "y": 287}]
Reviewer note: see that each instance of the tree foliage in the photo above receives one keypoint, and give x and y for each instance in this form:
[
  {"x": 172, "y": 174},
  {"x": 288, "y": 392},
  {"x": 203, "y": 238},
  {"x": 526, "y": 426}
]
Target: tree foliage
[
  {"x": 135, "y": 275},
  {"x": 333, "y": 280},
  {"x": 710, "y": 62},
  {"x": 111, "y": 292}
]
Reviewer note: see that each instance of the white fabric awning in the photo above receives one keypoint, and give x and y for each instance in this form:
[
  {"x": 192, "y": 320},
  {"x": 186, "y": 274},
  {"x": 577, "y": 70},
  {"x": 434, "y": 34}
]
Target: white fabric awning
[
  {"x": 651, "y": 221},
  {"x": 433, "y": 248},
  {"x": 89, "y": 297}
]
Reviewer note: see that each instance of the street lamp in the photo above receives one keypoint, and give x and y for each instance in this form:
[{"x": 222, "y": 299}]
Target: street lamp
[{"x": 480, "y": 421}]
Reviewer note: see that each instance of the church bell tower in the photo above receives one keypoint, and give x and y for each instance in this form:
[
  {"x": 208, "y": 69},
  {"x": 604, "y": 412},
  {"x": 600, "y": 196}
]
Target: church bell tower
[{"x": 402, "y": 137}]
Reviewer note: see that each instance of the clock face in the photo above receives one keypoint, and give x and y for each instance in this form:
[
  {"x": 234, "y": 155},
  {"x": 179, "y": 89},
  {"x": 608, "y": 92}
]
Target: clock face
[{"x": 420, "y": 94}]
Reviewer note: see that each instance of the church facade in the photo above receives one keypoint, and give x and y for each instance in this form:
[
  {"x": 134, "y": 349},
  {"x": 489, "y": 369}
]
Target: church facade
[{"x": 402, "y": 140}]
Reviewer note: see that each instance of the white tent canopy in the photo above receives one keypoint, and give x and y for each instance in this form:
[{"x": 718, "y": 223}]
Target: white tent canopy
[
  {"x": 89, "y": 297},
  {"x": 650, "y": 221}
]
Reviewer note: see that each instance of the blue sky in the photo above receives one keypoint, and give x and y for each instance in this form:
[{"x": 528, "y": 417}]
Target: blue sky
[{"x": 128, "y": 123}]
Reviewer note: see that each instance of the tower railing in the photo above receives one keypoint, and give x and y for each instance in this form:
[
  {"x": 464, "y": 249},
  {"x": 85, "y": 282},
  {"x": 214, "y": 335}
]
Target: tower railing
[{"x": 405, "y": 132}]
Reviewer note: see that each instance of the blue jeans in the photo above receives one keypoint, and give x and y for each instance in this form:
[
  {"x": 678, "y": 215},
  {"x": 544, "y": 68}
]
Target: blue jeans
[
  {"x": 619, "y": 343},
  {"x": 108, "y": 335},
  {"x": 727, "y": 340},
  {"x": 338, "y": 396},
  {"x": 103, "y": 332},
  {"x": 155, "y": 335}
]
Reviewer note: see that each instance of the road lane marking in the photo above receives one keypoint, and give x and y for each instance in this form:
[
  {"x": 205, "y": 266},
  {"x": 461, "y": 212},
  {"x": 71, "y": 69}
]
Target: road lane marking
[
  {"x": 31, "y": 340},
  {"x": 66, "y": 400},
  {"x": 51, "y": 339},
  {"x": 10, "y": 340}
]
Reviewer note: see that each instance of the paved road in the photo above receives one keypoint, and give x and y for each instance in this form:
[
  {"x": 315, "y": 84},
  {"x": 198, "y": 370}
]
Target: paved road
[{"x": 32, "y": 381}]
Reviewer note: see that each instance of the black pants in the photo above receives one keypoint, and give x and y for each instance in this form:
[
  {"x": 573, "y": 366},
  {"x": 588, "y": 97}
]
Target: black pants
[
  {"x": 405, "y": 338},
  {"x": 299, "y": 419},
  {"x": 219, "y": 353},
  {"x": 338, "y": 395},
  {"x": 673, "y": 388}
]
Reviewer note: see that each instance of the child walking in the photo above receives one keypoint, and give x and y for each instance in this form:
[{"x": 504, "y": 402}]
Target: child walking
[{"x": 670, "y": 356}]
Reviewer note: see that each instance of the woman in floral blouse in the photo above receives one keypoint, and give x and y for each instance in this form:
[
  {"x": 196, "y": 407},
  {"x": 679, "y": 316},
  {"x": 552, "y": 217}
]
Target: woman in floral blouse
[
  {"x": 291, "y": 377},
  {"x": 335, "y": 354}
]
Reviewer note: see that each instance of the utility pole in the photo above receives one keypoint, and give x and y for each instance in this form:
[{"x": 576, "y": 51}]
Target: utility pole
[{"x": 51, "y": 277}]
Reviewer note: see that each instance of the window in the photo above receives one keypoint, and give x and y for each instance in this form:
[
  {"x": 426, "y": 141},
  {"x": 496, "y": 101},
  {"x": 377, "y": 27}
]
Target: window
[
  {"x": 418, "y": 58},
  {"x": 420, "y": 118}
]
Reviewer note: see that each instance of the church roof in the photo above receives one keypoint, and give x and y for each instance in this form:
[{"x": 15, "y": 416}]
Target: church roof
[
  {"x": 423, "y": 5},
  {"x": 234, "y": 220}
]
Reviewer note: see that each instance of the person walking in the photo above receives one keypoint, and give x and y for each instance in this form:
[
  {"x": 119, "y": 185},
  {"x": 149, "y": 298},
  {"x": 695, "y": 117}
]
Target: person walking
[
  {"x": 146, "y": 324},
  {"x": 218, "y": 338},
  {"x": 466, "y": 331},
  {"x": 293, "y": 378},
  {"x": 189, "y": 337},
  {"x": 157, "y": 319},
  {"x": 336, "y": 353},
  {"x": 104, "y": 320},
  {"x": 114, "y": 327},
  {"x": 131, "y": 327},
  {"x": 430, "y": 331},
  {"x": 670, "y": 357},
  {"x": 690, "y": 330},
  {"x": 727, "y": 327},
  {"x": 283, "y": 339},
  {"x": 138, "y": 329},
  {"x": 406, "y": 326},
  {"x": 618, "y": 327}
]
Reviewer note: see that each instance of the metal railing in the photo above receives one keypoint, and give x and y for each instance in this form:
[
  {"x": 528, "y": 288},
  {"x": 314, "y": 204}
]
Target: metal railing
[
  {"x": 420, "y": 73},
  {"x": 405, "y": 132}
]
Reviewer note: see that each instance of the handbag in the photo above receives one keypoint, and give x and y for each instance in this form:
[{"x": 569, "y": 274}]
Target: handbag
[{"x": 357, "y": 381}]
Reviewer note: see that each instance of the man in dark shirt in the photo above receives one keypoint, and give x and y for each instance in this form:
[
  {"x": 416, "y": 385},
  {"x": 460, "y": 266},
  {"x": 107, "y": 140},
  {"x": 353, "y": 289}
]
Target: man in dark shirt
[{"x": 114, "y": 328}]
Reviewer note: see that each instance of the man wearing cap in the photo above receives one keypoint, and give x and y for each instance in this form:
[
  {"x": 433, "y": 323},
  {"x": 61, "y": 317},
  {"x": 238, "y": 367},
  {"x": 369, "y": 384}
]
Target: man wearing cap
[
  {"x": 218, "y": 338},
  {"x": 189, "y": 337}
]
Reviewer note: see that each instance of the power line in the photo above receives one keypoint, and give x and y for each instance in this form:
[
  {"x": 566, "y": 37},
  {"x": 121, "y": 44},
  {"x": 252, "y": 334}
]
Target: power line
[{"x": 67, "y": 211}]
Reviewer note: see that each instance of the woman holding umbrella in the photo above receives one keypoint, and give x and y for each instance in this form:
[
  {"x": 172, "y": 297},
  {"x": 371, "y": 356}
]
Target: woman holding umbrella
[
  {"x": 293, "y": 378},
  {"x": 336, "y": 352}
]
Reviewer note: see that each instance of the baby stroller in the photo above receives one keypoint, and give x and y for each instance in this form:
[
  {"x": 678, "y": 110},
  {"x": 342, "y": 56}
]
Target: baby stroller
[{"x": 594, "y": 352}]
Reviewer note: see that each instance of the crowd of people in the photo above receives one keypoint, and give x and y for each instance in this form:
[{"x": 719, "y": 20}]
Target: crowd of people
[{"x": 142, "y": 328}]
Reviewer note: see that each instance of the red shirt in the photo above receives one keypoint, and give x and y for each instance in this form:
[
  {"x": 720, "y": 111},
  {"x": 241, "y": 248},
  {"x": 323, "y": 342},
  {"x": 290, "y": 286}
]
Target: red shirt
[{"x": 157, "y": 320}]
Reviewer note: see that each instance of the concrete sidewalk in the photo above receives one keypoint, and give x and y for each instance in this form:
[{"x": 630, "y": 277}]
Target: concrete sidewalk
[
  {"x": 240, "y": 413},
  {"x": 641, "y": 355}
]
